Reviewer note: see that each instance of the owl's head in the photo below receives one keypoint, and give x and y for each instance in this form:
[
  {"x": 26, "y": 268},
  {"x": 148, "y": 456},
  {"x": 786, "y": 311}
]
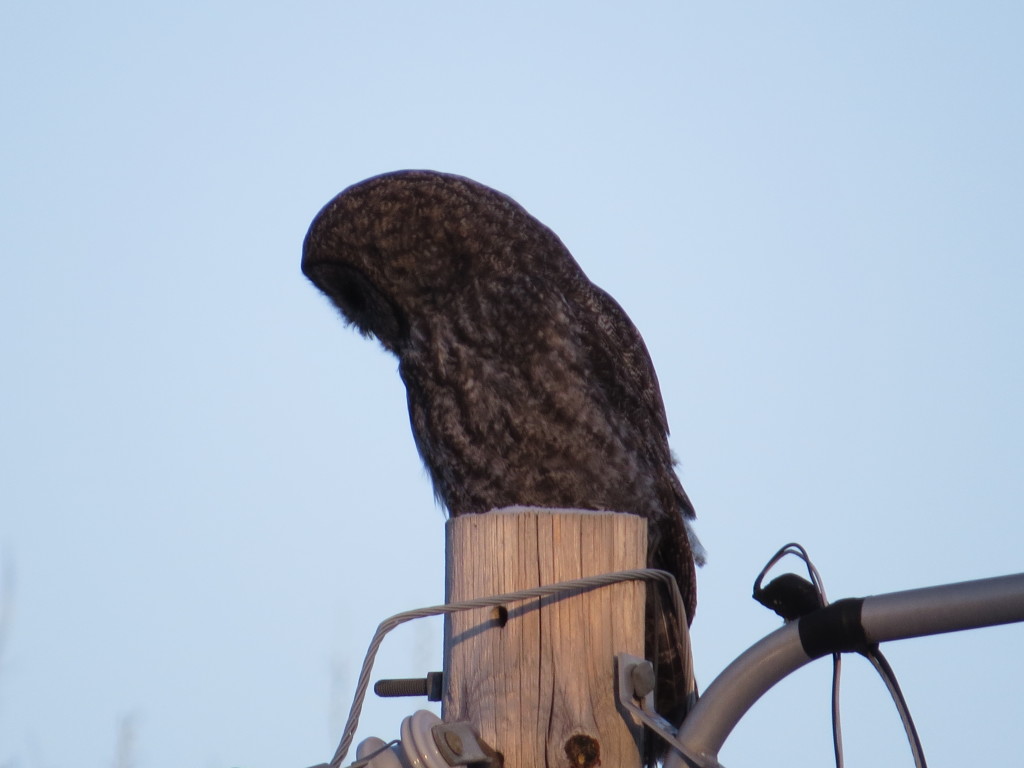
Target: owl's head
[{"x": 396, "y": 250}]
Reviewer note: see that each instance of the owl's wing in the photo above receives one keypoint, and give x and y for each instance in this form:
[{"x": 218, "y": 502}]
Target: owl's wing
[
  {"x": 621, "y": 362},
  {"x": 622, "y": 367}
]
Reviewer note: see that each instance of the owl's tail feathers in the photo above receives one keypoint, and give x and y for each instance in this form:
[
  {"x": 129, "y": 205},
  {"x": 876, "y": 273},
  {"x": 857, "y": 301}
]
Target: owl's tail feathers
[
  {"x": 700, "y": 555},
  {"x": 668, "y": 647}
]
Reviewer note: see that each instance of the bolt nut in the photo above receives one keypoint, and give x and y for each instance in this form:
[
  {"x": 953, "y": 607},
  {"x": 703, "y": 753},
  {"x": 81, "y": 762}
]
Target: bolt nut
[
  {"x": 454, "y": 742},
  {"x": 642, "y": 676}
]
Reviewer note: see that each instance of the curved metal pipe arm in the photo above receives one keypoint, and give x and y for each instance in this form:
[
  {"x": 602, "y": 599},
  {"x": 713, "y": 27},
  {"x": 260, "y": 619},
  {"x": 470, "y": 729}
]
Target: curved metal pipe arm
[{"x": 842, "y": 626}]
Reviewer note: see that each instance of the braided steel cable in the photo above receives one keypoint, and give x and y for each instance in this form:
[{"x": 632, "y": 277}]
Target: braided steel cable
[{"x": 563, "y": 587}]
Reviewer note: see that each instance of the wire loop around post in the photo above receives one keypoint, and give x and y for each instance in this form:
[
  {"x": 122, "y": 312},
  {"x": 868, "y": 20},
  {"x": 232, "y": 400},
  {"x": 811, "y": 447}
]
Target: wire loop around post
[{"x": 560, "y": 588}]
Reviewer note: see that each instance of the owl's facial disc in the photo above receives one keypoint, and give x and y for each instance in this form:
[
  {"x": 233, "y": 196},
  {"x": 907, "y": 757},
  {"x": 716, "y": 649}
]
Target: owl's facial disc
[{"x": 361, "y": 303}]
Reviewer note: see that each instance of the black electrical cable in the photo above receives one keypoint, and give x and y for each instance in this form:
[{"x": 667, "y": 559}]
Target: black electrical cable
[
  {"x": 885, "y": 671},
  {"x": 837, "y": 726},
  {"x": 793, "y": 597}
]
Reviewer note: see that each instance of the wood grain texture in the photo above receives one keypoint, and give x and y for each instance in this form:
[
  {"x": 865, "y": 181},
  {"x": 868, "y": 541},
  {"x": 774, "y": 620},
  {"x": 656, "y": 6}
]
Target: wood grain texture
[{"x": 540, "y": 689}]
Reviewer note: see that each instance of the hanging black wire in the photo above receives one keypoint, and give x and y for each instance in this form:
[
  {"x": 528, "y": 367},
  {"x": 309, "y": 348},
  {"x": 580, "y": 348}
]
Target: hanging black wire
[{"x": 791, "y": 596}]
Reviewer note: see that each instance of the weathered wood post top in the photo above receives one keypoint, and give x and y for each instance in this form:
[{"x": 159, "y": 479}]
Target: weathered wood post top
[{"x": 536, "y": 680}]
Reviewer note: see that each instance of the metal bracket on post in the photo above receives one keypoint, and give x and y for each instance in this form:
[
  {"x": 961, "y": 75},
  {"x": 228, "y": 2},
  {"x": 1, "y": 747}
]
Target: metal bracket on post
[
  {"x": 636, "y": 683},
  {"x": 459, "y": 745}
]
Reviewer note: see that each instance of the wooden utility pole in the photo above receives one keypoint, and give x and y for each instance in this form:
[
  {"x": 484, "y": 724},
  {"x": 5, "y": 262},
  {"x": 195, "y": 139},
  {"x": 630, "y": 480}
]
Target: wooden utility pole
[{"x": 536, "y": 680}]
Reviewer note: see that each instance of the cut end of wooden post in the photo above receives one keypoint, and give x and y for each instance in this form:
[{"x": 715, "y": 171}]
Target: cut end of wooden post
[{"x": 536, "y": 679}]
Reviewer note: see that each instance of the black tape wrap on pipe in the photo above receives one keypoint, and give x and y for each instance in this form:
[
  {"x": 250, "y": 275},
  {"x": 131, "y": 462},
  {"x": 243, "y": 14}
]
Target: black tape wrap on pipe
[{"x": 836, "y": 628}]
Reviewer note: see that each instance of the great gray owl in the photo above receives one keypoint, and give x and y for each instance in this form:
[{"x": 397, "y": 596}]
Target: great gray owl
[{"x": 527, "y": 384}]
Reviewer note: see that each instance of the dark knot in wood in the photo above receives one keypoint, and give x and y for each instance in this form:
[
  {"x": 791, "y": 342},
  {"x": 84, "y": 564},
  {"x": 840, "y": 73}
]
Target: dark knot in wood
[{"x": 583, "y": 751}]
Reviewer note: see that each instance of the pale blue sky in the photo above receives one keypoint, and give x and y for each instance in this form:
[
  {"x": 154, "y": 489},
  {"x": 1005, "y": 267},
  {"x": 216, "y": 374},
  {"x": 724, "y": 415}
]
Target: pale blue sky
[{"x": 209, "y": 495}]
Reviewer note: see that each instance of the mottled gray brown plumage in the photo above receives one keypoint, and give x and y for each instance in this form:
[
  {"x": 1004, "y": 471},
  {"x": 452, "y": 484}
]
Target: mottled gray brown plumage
[{"x": 527, "y": 384}]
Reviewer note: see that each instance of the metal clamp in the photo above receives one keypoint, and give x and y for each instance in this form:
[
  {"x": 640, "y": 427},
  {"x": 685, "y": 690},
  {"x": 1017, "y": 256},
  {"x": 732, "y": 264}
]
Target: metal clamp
[
  {"x": 636, "y": 683},
  {"x": 459, "y": 745}
]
